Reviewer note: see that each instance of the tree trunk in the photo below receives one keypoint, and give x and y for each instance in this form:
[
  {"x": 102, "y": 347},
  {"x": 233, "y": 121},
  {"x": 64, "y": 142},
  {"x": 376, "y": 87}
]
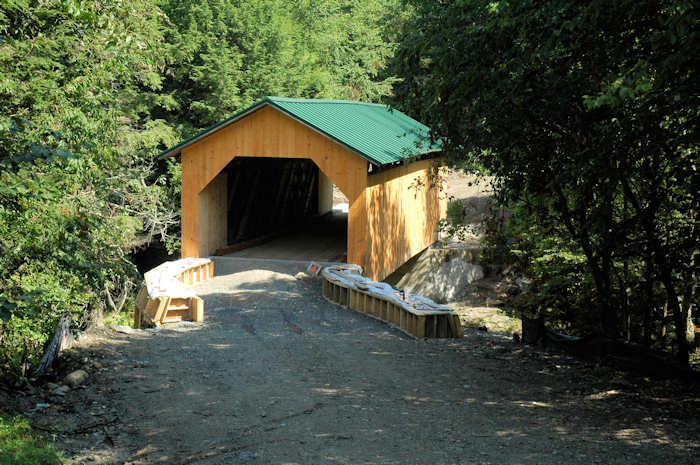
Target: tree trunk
[
  {"x": 690, "y": 327},
  {"x": 680, "y": 319},
  {"x": 660, "y": 255},
  {"x": 648, "y": 291},
  {"x": 58, "y": 343},
  {"x": 601, "y": 278}
]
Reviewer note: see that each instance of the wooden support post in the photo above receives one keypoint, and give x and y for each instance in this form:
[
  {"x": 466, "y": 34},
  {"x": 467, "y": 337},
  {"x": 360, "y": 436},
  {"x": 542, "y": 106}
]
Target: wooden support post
[
  {"x": 443, "y": 326},
  {"x": 420, "y": 326},
  {"x": 137, "y": 317},
  {"x": 312, "y": 185},
  {"x": 458, "y": 330},
  {"x": 197, "y": 309}
]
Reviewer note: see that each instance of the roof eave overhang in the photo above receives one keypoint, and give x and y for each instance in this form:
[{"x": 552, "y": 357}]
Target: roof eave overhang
[
  {"x": 217, "y": 127},
  {"x": 211, "y": 130},
  {"x": 207, "y": 132}
]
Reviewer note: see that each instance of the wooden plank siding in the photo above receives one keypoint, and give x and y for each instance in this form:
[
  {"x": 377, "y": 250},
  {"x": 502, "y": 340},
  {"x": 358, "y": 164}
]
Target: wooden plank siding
[
  {"x": 404, "y": 205},
  {"x": 268, "y": 132},
  {"x": 388, "y": 222},
  {"x": 211, "y": 212}
]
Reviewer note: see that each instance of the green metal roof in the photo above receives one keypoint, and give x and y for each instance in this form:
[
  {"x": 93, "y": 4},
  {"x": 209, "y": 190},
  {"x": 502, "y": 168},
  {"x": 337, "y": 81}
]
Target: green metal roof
[{"x": 373, "y": 131}]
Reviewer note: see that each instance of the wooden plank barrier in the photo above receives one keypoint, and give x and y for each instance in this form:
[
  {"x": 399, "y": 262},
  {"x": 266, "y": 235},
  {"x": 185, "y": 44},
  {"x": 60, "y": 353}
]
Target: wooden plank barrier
[
  {"x": 413, "y": 314},
  {"x": 166, "y": 297}
]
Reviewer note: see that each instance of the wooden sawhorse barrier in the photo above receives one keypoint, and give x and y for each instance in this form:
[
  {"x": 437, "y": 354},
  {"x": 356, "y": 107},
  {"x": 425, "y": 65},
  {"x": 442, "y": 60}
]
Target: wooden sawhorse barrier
[{"x": 413, "y": 314}]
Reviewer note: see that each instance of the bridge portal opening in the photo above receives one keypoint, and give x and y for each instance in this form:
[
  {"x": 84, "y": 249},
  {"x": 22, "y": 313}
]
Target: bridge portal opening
[{"x": 283, "y": 208}]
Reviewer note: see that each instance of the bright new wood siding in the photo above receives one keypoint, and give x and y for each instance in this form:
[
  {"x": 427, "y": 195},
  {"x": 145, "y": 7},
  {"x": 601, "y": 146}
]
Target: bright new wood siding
[
  {"x": 404, "y": 205},
  {"x": 388, "y": 221},
  {"x": 268, "y": 132}
]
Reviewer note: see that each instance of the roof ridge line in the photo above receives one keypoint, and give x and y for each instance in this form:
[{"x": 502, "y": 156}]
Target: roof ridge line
[{"x": 272, "y": 98}]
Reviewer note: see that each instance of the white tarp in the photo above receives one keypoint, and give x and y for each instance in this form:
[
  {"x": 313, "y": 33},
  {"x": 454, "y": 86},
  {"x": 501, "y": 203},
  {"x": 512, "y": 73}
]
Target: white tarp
[{"x": 350, "y": 277}]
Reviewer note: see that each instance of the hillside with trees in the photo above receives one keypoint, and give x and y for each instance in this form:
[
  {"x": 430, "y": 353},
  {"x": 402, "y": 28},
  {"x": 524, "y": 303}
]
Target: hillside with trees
[{"x": 91, "y": 91}]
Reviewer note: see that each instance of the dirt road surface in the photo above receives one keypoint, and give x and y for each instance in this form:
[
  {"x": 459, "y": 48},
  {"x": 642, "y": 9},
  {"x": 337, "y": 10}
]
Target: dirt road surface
[{"x": 277, "y": 375}]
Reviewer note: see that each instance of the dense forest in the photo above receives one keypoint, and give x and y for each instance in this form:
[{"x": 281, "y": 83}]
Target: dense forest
[{"x": 585, "y": 115}]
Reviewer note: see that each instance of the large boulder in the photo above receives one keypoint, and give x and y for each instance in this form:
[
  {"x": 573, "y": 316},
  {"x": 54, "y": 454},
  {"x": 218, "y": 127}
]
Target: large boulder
[
  {"x": 76, "y": 378},
  {"x": 442, "y": 275}
]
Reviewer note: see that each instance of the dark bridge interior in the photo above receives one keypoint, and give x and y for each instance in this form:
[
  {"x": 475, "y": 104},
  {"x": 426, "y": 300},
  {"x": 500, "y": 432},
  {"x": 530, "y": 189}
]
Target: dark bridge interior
[{"x": 269, "y": 195}]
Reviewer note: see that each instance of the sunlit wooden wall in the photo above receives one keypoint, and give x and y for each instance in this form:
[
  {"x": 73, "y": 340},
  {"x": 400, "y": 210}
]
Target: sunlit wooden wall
[
  {"x": 388, "y": 222},
  {"x": 404, "y": 205}
]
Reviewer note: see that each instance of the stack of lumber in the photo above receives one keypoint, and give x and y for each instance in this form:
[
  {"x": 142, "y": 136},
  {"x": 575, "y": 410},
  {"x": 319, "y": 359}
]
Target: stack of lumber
[
  {"x": 166, "y": 295},
  {"x": 413, "y": 314}
]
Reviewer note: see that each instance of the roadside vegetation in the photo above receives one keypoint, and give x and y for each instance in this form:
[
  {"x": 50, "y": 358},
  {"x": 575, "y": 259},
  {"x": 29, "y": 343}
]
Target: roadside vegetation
[
  {"x": 585, "y": 115},
  {"x": 19, "y": 444}
]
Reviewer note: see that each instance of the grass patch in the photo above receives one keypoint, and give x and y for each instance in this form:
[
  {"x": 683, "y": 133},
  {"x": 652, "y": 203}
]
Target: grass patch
[
  {"x": 19, "y": 445},
  {"x": 120, "y": 318}
]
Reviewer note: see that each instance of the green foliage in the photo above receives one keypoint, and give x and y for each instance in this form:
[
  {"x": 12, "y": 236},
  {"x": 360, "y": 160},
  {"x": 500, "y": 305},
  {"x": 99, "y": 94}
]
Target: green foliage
[
  {"x": 226, "y": 55},
  {"x": 90, "y": 91},
  {"x": 20, "y": 446},
  {"x": 75, "y": 187},
  {"x": 586, "y": 113},
  {"x": 353, "y": 42}
]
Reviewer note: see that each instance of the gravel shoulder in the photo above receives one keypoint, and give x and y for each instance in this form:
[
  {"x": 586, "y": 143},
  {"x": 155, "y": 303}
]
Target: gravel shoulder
[{"x": 277, "y": 375}]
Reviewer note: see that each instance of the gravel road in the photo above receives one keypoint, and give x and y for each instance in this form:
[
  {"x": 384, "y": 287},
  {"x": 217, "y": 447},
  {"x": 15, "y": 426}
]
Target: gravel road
[{"x": 277, "y": 375}]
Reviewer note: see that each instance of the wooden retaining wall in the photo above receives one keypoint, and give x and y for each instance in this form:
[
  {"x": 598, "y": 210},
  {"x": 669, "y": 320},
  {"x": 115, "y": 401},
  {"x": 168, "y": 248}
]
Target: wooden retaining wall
[
  {"x": 395, "y": 308},
  {"x": 165, "y": 296}
]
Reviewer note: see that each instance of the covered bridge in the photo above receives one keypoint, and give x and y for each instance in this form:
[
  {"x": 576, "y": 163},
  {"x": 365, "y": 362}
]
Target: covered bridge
[{"x": 275, "y": 164}]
